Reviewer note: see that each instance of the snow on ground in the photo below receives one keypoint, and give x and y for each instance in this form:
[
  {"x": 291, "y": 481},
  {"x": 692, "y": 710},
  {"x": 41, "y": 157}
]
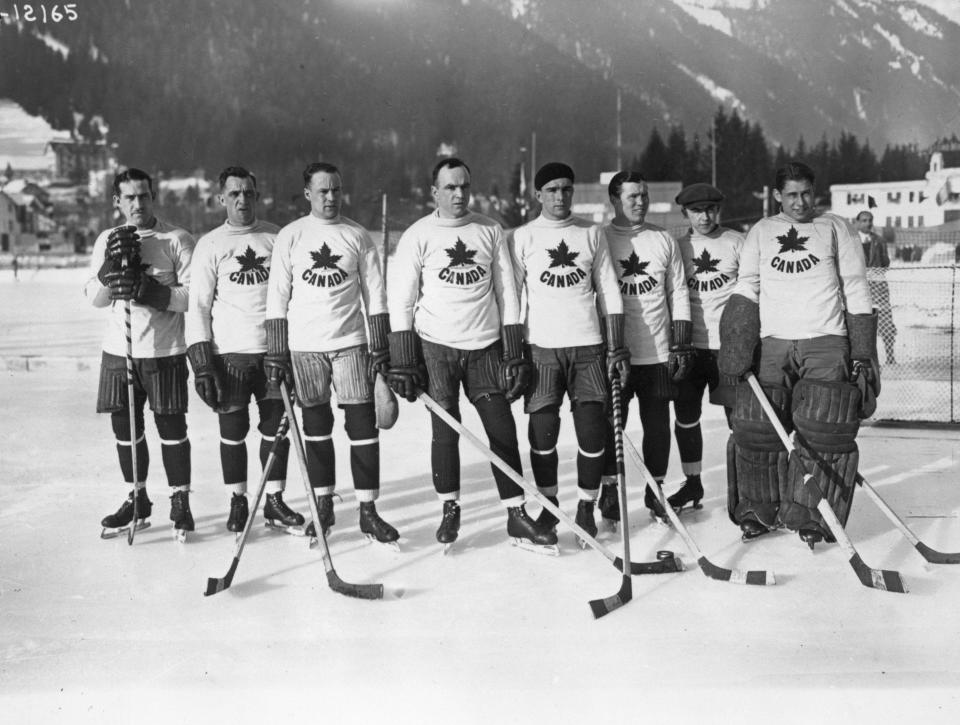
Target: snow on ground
[{"x": 91, "y": 630}]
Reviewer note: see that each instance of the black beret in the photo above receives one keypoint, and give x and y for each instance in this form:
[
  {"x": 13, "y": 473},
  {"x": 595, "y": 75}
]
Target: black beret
[
  {"x": 699, "y": 194},
  {"x": 551, "y": 171}
]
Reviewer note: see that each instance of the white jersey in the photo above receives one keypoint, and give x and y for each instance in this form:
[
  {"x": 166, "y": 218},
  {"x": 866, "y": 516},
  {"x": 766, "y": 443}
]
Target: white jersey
[
  {"x": 228, "y": 288},
  {"x": 165, "y": 253},
  {"x": 650, "y": 277},
  {"x": 803, "y": 275},
  {"x": 451, "y": 281},
  {"x": 321, "y": 271},
  {"x": 564, "y": 269},
  {"x": 710, "y": 263}
]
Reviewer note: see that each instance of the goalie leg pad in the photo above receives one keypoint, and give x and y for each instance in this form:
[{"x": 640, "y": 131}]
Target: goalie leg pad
[
  {"x": 733, "y": 495},
  {"x": 751, "y": 429},
  {"x": 827, "y": 421}
]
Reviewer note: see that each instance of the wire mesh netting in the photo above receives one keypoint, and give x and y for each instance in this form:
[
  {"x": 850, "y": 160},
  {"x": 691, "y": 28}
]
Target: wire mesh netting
[{"x": 917, "y": 342}]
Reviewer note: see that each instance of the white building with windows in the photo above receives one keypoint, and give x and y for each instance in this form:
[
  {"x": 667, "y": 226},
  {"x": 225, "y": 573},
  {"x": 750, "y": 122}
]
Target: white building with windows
[{"x": 927, "y": 202}]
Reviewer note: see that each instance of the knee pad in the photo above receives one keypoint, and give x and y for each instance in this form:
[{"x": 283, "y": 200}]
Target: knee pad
[
  {"x": 360, "y": 421},
  {"x": 271, "y": 411},
  {"x": 120, "y": 422},
  {"x": 234, "y": 426},
  {"x": 544, "y": 428},
  {"x": 318, "y": 420},
  {"x": 171, "y": 427}
]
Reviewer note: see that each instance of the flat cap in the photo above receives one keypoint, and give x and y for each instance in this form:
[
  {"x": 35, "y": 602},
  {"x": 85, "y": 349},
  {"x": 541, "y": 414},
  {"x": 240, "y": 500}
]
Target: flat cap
[
  {"x": 551, "y": 171},
  {"x": 699, "y": 194}
]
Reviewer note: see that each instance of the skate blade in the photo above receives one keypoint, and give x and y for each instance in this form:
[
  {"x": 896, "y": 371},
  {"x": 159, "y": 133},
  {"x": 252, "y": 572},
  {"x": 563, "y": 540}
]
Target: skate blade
[
  {"x": 544, "y": 549},
  {"x": 180, "y": 535},
  {"x": 106, "y": 533},
  {"x": 661, "y": 520},
  {"x": 689, "y": 507},
  {"x": 292, "y": 530},
  {"x": 610, "y": 525},
  {"x": 391, "y": 546}
]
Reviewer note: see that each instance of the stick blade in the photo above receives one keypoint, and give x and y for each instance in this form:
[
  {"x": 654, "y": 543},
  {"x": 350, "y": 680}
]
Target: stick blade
[
  {"x": 215, "y": 586},
  {"x": 358, "y": 591},
  {"x": 603, "y": 607},
  {"x": 884, "y": 579},
  {"x": 936, "y": 557},
  {"x": 736, "y": 576}
]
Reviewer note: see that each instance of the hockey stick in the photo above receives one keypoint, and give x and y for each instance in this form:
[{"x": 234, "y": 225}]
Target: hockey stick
[
  {"x": 666, "y": 561},
  {"x": 131, "y": 404},
  {"x": 214, "y": 586},
  {"x": 885, "y": 579},
  {"x": 601, "y": 607},
  {"x": 361, "y": 591},
  {"x": 736, "y": 576},
  {"x": 931, "y": 555}
]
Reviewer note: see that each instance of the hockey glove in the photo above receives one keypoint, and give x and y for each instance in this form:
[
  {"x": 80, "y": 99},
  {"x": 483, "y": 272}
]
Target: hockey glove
[
  {"x": 618, "y": 355},
  {"x": 379, "y": 361},
  {"x": 407, "y": 374},
  {"x": 515, "y": 369},
  {"x": 122, "y": 282},
  {"x": 739, "y": 335},
  {"x": 206, "y": 379},
  {"x": 150, "y": 292},
  {"x": 276, "y": 362},
  {"x": 680, "y": 361},
  {"x": 123, "y": 243}
]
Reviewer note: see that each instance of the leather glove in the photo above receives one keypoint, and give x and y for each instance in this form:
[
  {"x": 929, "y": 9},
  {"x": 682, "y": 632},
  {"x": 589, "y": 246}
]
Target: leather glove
[
  {"x": 680, "y": 360},
  {"x": 123, "y": 243},
  {"x": 379, "y": 360},
  {"x": 515, "y": 370},
  {"x": 407, "y": 375},
  {"x": 206, "y": 378},
  {"x": 618, "y": 354},
  {"x": 276, "y": 362}
]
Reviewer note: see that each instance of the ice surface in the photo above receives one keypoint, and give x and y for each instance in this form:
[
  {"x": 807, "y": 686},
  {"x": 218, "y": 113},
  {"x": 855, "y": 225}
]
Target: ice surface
[{"x": 94, "y": 631}]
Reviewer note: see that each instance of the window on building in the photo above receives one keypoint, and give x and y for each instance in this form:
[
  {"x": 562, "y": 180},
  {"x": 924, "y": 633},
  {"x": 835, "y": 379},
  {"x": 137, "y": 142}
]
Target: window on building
[
  {"x": 889, "y": 222},
  {"x": 910, "y": 222},
  {"x": 919, "y": 221},
  {"x": 854, "y": 198},
  {"x": 911, "y": 197},
  {"x": 896, "y": 221},
  {"x": 893, "y": 197}
]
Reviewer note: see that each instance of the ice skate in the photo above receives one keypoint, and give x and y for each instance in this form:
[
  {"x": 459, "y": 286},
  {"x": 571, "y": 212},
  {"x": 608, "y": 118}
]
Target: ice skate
[
  {"x": 609, "y": 505},
  {"x": 239, "y": 513},
  {"x": 449, "y": 527},
  {"x": 810, "y": 537},
  {"x": 118, "y": 523},
  {"x": 327, "y": 518},
  {"x": 525, "y": 534},
  {"x": 277, "y": 515},
  {"x": 752, "y": 530},
  {"x": 652, "y": 502},
  {"x": 546, "y": 521},
  {"x": 690, "y": 493},
  {"x": 376, "y": 529},
  {"x": 180, "y": 515},
  {"x": 585, "y": 520}
]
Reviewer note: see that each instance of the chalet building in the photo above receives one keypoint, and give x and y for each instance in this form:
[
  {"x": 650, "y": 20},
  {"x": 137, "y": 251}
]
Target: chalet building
[
  {"x": 9, "y": 224},
  {"x": 928, "y": 202}
]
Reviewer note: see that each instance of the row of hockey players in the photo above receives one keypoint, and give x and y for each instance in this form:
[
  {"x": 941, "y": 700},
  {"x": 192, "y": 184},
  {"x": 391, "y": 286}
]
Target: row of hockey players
[{"x": 252, "y": 306}]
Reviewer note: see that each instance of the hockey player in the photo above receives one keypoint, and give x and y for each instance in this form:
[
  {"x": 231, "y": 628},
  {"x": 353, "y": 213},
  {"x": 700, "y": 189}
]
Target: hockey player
[
  {"x": 711, "y": 256},
  {"x": 658, "y": 331},
  {"x": 226, "y": 338},
  {"x": 147, "y": 262},
  {"x": 455, "y": 320},
  {"x": 325, "y": 274},
  {"x": 802, "y": 295},
  {"x": 563, "y": 266}
]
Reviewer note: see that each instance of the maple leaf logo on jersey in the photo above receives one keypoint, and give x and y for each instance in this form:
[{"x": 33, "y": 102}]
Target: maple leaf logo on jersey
[
  {"x": 632, "y": 266},
  {"x": 705, "y": 263},
  {"x": 562, "y": 256},
  {"x": 462, "y": 270},
  {"x": 325, "y": 271},
  {"x": 251, "y": 270},
  {"x": 792, "y": 242},
  {"x": 459, "y": 255}
]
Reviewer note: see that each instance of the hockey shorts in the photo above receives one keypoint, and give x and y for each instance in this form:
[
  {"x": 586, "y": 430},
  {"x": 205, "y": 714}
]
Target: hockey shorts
[
  {"x": 345, "y": 370},
  {"x": 160, "y": 380},
  {"x": 447, "y": 367},
  {"x": 241, "y": 375},
  {"x": 580, "y": 372},
  {"x": 649, "y": 382}
]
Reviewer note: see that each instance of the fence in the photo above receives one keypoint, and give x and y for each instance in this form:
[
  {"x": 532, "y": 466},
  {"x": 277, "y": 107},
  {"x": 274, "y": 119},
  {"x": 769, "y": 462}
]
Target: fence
[{"x": 918, "y": 345}]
